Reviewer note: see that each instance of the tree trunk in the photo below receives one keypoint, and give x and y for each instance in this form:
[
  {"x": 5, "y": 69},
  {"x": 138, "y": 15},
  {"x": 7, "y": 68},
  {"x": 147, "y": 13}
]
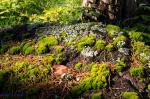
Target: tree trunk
[{"x": 114, "y": 9}]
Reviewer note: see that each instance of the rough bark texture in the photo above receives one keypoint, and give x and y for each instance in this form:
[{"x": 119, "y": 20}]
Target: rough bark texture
[{"x": 114, "y": 9}]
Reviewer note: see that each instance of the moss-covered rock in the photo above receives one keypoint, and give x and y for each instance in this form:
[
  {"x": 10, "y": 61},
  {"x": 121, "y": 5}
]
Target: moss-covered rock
[{"x": 130, "y": 95}]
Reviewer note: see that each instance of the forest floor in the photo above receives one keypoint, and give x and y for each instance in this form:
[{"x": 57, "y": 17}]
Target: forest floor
[{"x": 80, "y": 61}]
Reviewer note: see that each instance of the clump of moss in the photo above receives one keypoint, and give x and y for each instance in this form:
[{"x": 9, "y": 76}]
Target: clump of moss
[
  {"x": 97, "y": 96},
  {"x": 140, "y": 47},
  {"x": 148, "y": 87},
  {"x": 78, "y": 66},
  {"x": 60, "y": 58},
  {"x": 130, "y": 95},
  {"x": 96, "y": 80},
  {"x": 109, "y": 47},
  {"x": 14, "y": 50},
  {"x": 88, "y": 40},
  {"x": 112, "y": 30},
  {"x": 44, "y": 43},
  {"x": 120, "y": 66},
  {"x": 100, "y": 44},
  {"x": 27, "y": 48},
  {"x": 119, "y": 41},
  {"x": 138, "y": 71},
  {"x": 48, "y": 60},
  {"x": 137, "y": 36},
  {"x": 29, "y": 72},
  {"x": 59, "y": 49}
]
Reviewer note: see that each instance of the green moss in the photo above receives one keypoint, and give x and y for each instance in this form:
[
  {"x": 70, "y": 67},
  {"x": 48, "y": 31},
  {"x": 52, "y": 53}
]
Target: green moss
[
  {"x": 59, "y": 49},
  {"x": 88, "y": 40},
  {"x": 140, "y": 47},
  {"x": 137, "y": 36},
  {"x": 148, "y": 87},
  {"x": 44, "y": 43},
  {"x": 119, "y": 40},
  {"x": 130, "y": 95},
  {"x": 60, "y": 58},
  {"x": 109, "y": 47},
  {"x": 143, "y": 60},
  {"x": 96, "y": 80},
  {"x": 97, "y": 96},
  {"x": 100, "y": 44},
  {"x": 14, "y": 50},
  {"x": 48, "y": 60},
  {"x": 28, "y": 72},
  {"x": 120, "y": 66},
  {"x": 29, "y": 50},
  {"x": 112, "y": 30},
  {"x": 138, "y": 71},
  {"x": 78, "y": 66}
]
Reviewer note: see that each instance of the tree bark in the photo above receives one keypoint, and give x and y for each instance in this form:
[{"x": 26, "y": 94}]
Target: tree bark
[{"x": 114, "y": 9}]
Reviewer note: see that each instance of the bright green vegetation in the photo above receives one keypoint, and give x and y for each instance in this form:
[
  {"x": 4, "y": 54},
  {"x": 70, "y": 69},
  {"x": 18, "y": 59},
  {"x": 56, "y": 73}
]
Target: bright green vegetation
[
  {"x": 109, "y": 47},
  {"x": 140, "y": 47},
  {"x": 27, "y": 48},
  {"x": 48, "y": 60},
  {"x": 14, "y": 12},
  {"x": 44, "y": 43},
  {"x": 96, "y": 80},
  {"x": 88, "y": 40},
  {"x": 97, "y": 96},
  {"x": 130, "y": 95},
  {"x": 100, "y": 44},
  {"x": 78, "y": 66},
  {"x": 60, "y": 58},
  {"x": 138, "y": 71},
  {"x": 120, "y": 41},
  {"x": 120, "y": 66},
  {"x": 59, "y": 49},
  {"x": 148, "y": 87},
  {"x": 137, "y": 36},
  {"x": 113, "y": 30},
  {"x": 14, "y": 50},
  {"x": 29, "y": 72}
]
